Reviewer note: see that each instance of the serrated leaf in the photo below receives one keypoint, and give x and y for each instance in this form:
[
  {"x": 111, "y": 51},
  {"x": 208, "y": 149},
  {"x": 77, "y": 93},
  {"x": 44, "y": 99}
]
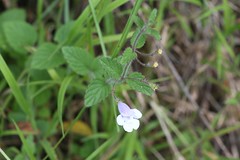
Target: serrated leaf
[
  {"x": 140, "y": 40},
  {"x": 138, "y": 21},
  {"x": 47, "y": 56},
  {"x": 136, "y": 75},
  {"x": 152, "y": 16},
  {"x": 111, "y": 67},
  {"x": 63, "y": 32},
  {"x": 97, "y": 91},
  {"x": 128, "y": 56},
  {"x": 19, "y": 35},
  {"x": 136, "y": 82},
  {"x": 154, "y": 33},
  {"x": 79, "y": 60}
]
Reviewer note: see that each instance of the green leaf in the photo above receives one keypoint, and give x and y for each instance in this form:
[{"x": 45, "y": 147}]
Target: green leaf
[
  {"x": 20, "y": 156},
  {"x": 63, "y": 32},
  {"x": 13, "y": 15},
  {"x": 154, "y": 33},
  {"x": 152, "y": 16},
  {"x": 79, "y": 60},
  {"x": 111, "y": 67},
  {"x": 136, "y": 82},
  {"x": 19, "y": 35},
  {"x": 10, "y": 15},
  {"x": 140, "y": 39},
  {"x": 47, "y": 56},
  {"x": 97, "y": 91},
  {"x": 136, "y": 75},
  {"x": 49, "y": 149},
  {"x": 128, "y": 56},
  {"x": 138, "y": 21}
]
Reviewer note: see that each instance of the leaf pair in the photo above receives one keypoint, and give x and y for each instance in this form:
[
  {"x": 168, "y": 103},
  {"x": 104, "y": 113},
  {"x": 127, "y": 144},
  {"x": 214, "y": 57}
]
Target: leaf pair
[
  {"x": 139, "y": 36},
  {"x": 48, "y": 56},
  {"x": 99, "y": 89}
]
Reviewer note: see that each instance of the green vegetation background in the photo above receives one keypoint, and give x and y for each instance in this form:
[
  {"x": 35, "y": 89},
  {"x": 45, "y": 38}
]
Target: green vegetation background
[{"x": 193, "y": 114}]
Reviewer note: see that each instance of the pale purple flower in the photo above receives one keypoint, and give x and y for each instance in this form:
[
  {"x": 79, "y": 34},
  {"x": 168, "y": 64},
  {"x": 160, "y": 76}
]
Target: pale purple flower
[{"x": 128, "y": 117}]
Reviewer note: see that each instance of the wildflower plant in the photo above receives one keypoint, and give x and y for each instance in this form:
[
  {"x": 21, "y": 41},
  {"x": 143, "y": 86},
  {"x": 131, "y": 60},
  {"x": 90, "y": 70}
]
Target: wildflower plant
[{"x": 116, "y": 71}]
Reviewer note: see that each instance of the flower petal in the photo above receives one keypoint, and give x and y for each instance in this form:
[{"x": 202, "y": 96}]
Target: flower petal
[
  {"x": 136, "y": 113},
  {"x": 120, "y": 120},
  {"x": 135, "y": 124},
  {"x": 128, "y": 127},
  {"x": 124, "y": 109}
]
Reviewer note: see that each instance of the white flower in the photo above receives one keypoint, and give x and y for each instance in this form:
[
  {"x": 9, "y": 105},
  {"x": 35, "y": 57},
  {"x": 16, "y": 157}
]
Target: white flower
[{"x": 128, "y": 118}]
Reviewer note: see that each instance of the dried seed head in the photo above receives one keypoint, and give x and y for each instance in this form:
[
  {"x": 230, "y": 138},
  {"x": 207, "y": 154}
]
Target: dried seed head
[
  {"x": 155, "y": 64},
  {"x": 153, "y": 86},
  {"x": 159, "y": 51}
]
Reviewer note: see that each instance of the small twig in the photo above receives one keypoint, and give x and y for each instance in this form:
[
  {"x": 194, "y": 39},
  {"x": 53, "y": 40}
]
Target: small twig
[
  {"x": 154, "y": 151},
  {"x": 146, "y": 54},
  {"x": 6, "y": 3},
  {"x": 234, "y": 147},
  {"x": 141, "y": 63},
  {"x": 167, "y": 133}
]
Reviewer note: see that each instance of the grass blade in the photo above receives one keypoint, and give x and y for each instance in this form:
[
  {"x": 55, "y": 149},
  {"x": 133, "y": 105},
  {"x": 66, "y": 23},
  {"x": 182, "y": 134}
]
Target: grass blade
[
  {"x": 60, "y": 101},
  {"x": 24, "y": 141},
  {"x": 49, "y": 150},
  {"x": 127, "y": 28},
  {"x": 14, "y": 87},
  {"x": 100, "y": 149},
  {"x": 98, "y": 28}
]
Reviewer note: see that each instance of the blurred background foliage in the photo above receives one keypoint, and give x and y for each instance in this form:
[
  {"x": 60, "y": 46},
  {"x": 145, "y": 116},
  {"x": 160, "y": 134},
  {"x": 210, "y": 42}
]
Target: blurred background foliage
[{"x": 194, "y": 113}]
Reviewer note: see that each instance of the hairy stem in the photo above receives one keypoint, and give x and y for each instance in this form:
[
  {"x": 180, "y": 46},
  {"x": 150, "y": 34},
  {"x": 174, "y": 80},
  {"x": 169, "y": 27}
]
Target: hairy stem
[{"x": 128, "y": 65}]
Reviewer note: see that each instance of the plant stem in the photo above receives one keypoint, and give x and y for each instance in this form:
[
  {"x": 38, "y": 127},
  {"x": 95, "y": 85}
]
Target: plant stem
[
  {"x": 66, "y": 11},
  {"x": 127, "y": 67}
]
